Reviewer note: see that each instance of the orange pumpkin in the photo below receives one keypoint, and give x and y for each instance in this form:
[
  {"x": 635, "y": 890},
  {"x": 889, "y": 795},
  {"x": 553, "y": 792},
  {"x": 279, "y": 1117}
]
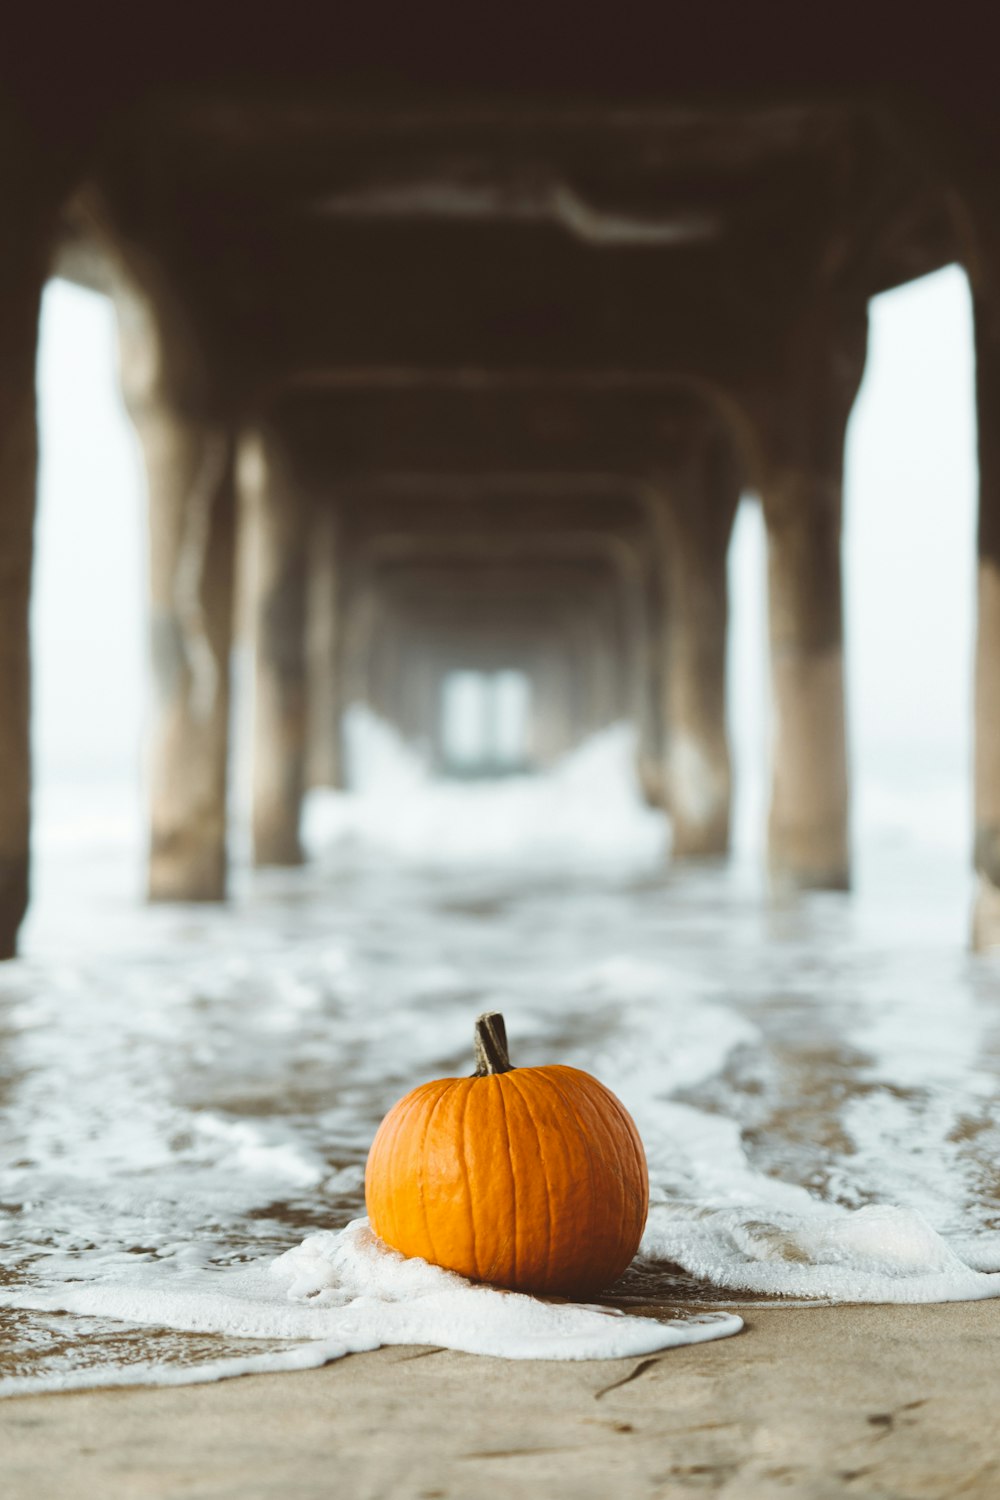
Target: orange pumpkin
[{"x": 531, "y": 1178}]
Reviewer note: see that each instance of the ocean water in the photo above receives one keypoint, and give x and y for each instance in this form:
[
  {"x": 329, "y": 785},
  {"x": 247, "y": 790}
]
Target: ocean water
[{"x": 189, "y": 1093}]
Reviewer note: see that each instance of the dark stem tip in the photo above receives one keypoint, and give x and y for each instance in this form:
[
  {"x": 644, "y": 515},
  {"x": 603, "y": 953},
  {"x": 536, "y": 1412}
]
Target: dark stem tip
[{"x": 491, "y": 1045}]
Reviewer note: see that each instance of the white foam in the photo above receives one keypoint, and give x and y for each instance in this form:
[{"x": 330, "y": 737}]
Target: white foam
[
  {"x": 527, "y": 820},
  {"x": 346, "y": 1292},
  {"x": 878, "y": 1253},
  {"x": 191, "y": 1090}
]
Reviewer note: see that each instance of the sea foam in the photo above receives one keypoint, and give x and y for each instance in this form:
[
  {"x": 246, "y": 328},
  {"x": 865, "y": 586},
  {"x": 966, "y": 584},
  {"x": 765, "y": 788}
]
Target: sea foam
[
  {"x": 191, "y": 1092},
  {"x": 344, "y": 1292}
]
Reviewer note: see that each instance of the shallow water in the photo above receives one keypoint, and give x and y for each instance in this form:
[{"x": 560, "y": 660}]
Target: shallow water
[{"x": 189, "y": 1094}]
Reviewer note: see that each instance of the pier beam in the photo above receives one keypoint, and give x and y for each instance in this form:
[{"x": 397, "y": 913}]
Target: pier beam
[
  {"x": 280, "y": 517},
  {"x": 986, "y": 914},
  {"x": 22, "y": 273},
  {"x": 697, "y": 508},
  {"x": 800, "y": 481}
]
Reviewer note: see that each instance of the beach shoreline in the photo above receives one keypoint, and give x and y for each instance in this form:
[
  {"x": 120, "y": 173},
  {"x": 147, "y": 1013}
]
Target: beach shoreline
[{"x": 818, "y": 1402}]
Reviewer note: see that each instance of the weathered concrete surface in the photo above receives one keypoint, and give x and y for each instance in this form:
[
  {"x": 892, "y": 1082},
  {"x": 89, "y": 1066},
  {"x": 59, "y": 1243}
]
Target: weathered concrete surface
[
  {"x": 279, "y": 514},
  {"x": 189, "y": 463},
  {"x": 604, "y": 236},
  {"x": 24, "y": 247},
  {"x": 18, "y": 451},
  {"x": 324, "y": 764},
  {"x": 514, "y": 425},
  {"x": 810, "y": 1403},
  {"x": 698, "y": 506},
  {"x": 808, "y": 837},
  {"x": 798, "y": 454},
  {"x": 188, "y": 449}
]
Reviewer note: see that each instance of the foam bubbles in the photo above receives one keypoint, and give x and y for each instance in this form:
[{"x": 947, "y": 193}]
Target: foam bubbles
[
  {"x": 345, "y": 1292},
  {"x": 879, "y": 1253},
  {"x": 191, "y": 1092}
]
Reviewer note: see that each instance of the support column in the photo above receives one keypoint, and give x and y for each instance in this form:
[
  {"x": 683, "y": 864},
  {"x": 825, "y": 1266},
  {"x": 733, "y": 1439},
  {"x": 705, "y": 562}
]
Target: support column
[
  {"x": 189, "y": 467},
  {"x": 649, "y": 638},
  {"x": 600, "y": 667},
  {"x": 186, "y": 436},
  {"x": 391, "y": 665},
  {"x": 413, "y": 692},
  {"x": 986, "y": 914},
  {"x": 552, "y": 735},
  {"x": 323, "y": 752},
  {"x": 280, "y": 517},
  {"x": 22, "y": 272},
  {"x": 608, "y": 666},
  {"x": 418, "y": 666},
  {"x": 697, "y": 510},
  {"x": 808, "y": 826},
  {"x": 801, "y": 482},
  {"x": 437, "y": 747}
]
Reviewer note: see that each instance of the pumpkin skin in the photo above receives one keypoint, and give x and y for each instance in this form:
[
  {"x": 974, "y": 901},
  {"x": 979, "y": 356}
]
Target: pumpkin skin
[{"x": 532, "y": 1179}]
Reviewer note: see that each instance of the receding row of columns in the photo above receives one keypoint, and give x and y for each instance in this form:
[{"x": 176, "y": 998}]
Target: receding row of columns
[
  {"x": 790, "y": 433},
  {"x": 190, "y": 453},
  {"x": 486, "y": 555},
  {"x": 562, "y": 631},
  {"x": 692, "y": 511}
]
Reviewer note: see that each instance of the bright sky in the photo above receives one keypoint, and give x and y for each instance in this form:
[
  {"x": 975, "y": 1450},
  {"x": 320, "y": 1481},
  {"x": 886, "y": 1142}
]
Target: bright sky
[
  {"x": 909, "y": 569},
  {"x": 909, "y": 551},
  {"x": 90, "y": 571}
]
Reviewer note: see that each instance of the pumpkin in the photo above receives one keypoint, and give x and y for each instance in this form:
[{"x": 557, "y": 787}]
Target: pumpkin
[{"x": 530, "y": 1178}]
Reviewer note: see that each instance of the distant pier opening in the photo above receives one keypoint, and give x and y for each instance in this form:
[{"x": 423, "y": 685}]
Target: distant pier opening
[{"x": 485, "y": 723}]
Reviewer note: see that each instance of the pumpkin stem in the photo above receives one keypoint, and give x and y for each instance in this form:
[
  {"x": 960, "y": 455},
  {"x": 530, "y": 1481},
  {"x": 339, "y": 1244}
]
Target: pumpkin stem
[{"x": 491, "y": 1045}]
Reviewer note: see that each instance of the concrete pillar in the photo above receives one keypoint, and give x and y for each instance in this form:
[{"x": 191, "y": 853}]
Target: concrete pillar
[
  {"x": 986, "y": 914},
  {"x": 800, "y": 481},
  {"x": 588, "y": 683},
  {"x": 22, "y": 272},
  {"x": 280, "y": 518},
  {"x": 436, "y": 666},
  {"x": 597, "y": 628},
  {"x": 648, "y": 629},
  {"x": 189, "y": 468},
  {"x": 437, "y": 747},
  {"x": 606, "y": 669},
  {"x": 808, "y": 825},
  {"x": 186, "y": 437},
  {"x": 390, "y": 674},
  {"x": 697, "y": 509},
  {"x": 358, "y": 616},
  {"x": 324, "y": 760},
  {"x": 552, "y": 735},
  {"x": 578, "y": 725},
  {"x": 414, "y": 694}
]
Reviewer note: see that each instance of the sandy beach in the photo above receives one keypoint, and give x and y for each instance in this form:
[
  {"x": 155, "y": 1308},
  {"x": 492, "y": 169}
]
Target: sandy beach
[{"x": 817, "y": 1402}]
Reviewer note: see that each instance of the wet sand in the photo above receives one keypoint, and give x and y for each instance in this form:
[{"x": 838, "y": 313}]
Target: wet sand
[{"x": 814, "y": 1402}]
